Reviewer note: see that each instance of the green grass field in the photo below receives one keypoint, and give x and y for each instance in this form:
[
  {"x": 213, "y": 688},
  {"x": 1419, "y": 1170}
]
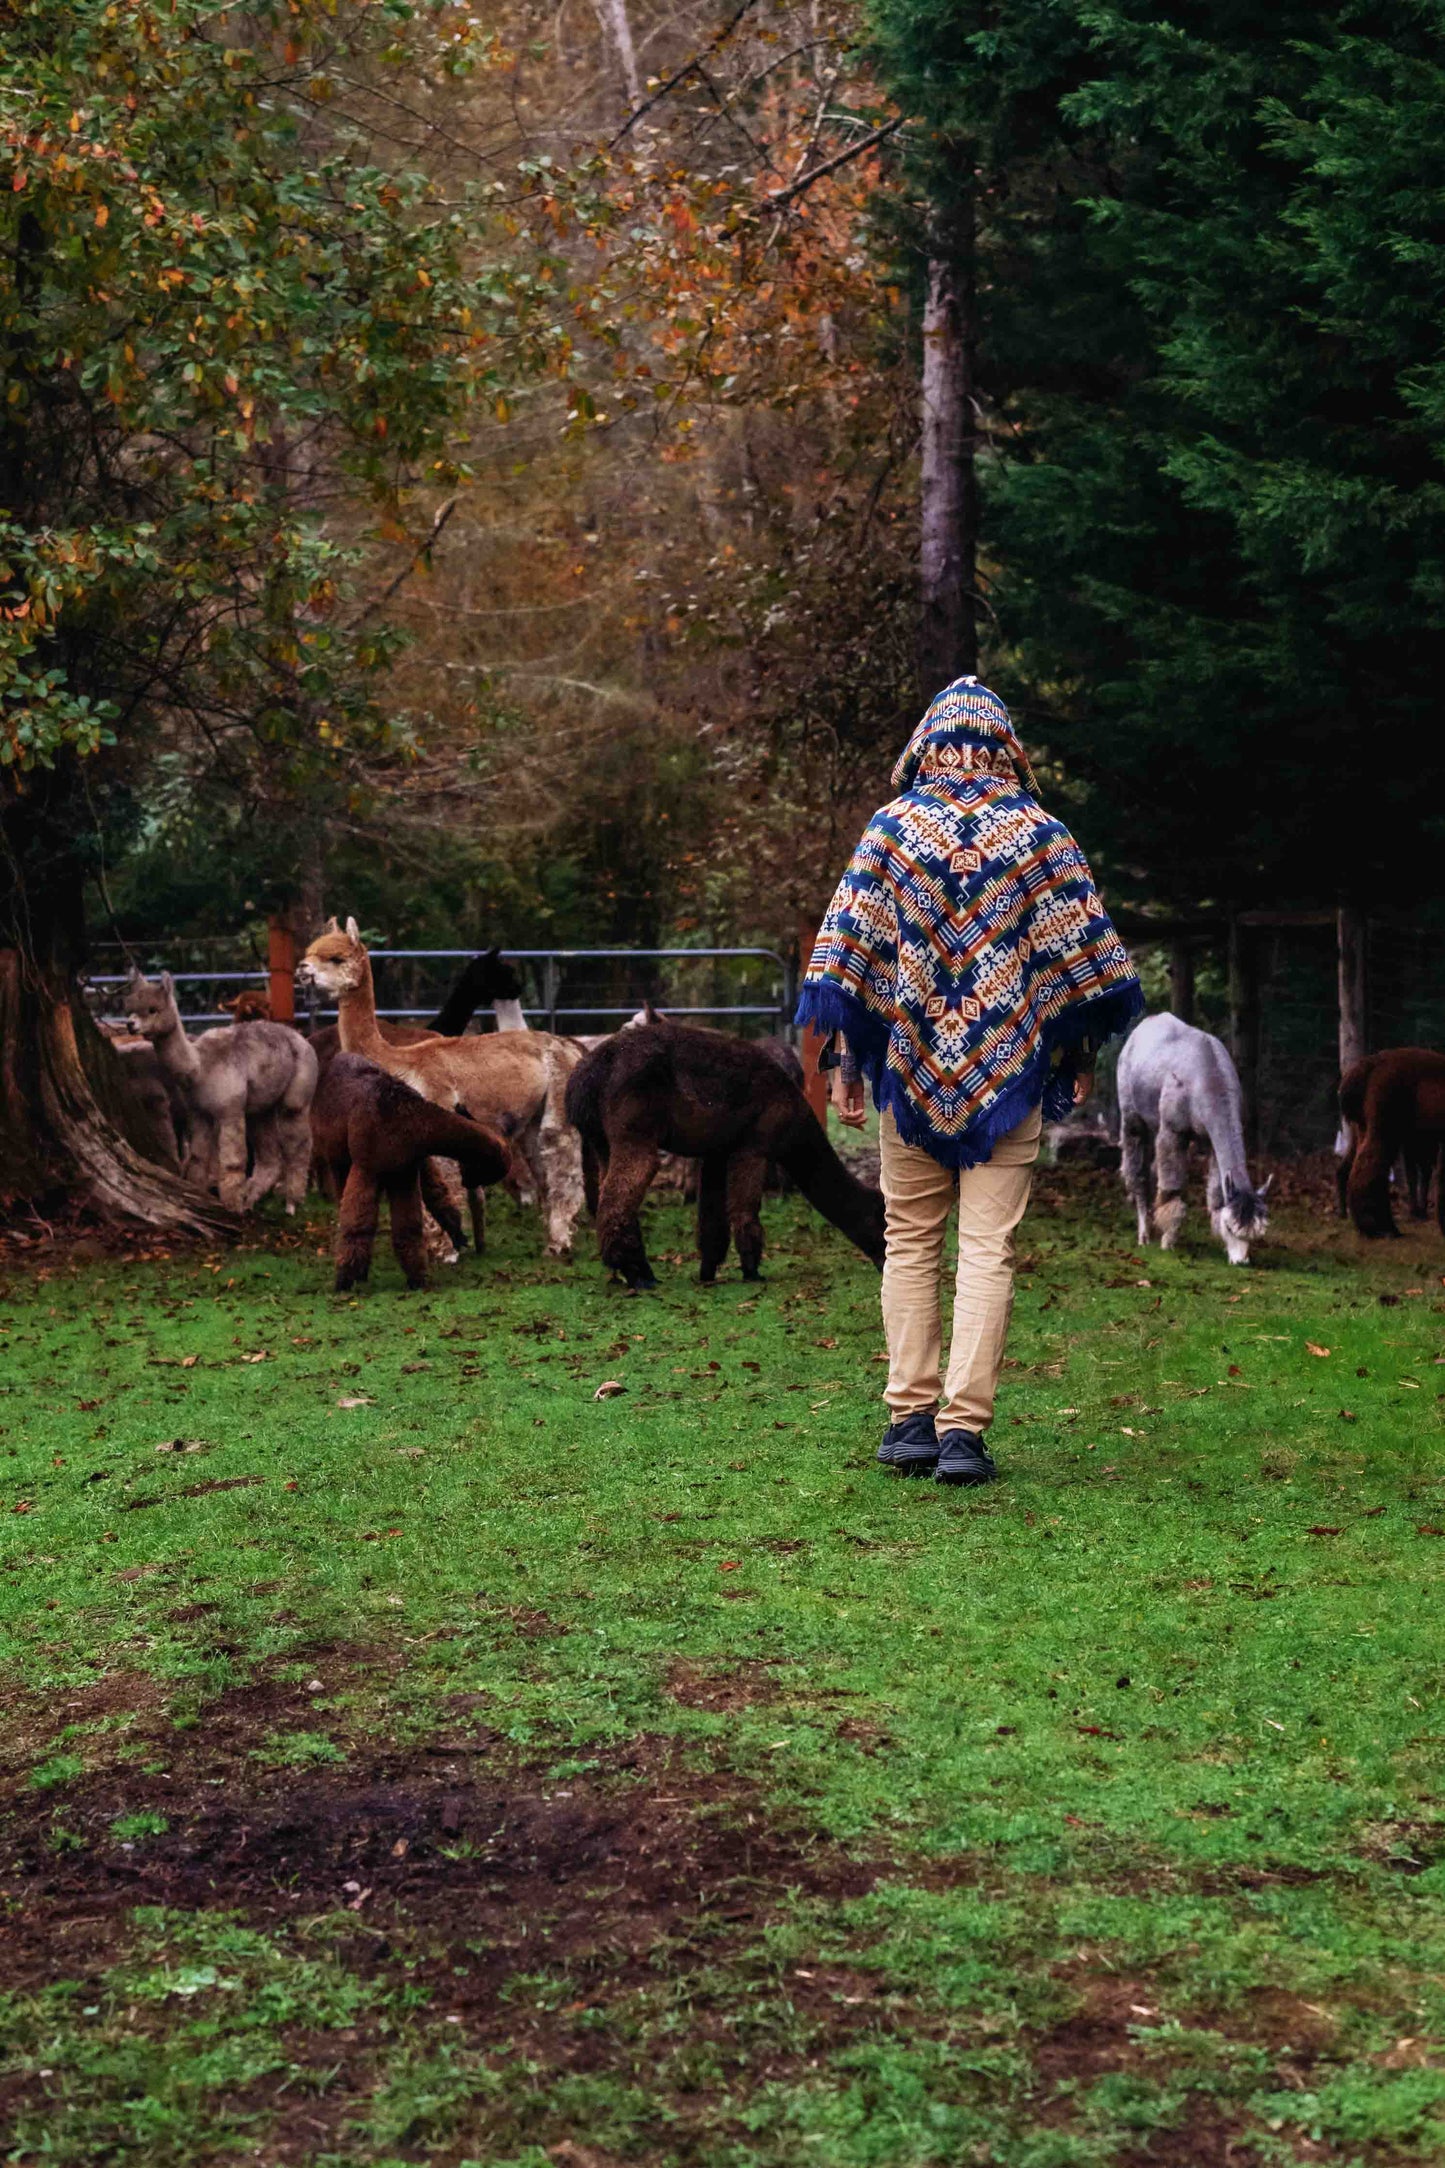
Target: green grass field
[{"x": 412, "y": 1757}]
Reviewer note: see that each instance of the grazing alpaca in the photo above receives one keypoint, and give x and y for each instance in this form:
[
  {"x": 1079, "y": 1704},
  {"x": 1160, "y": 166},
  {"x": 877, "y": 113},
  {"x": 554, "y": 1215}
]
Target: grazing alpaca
[
  {"x": 372, "y": 1136},
  {"x": 1392, "y": 1105},
  {"x": 661, "y": 1087},
  {"x": 510, "y": 1081},
  {"x": 244, "y": 1084},
  {"x": 1176, "y": 1083},
  {"x": 249, "y": 1006}
]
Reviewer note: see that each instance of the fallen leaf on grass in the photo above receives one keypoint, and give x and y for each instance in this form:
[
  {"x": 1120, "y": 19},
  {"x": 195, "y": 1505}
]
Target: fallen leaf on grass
[
  {"x": 356, "y": 1400},
  {"x": 1348, "y": 1415},
  {"x": 731, "y": 1565},
  {"x": 1323, "y": 1531},
  {"x": 609, "y": 1389},
  {"x": 1315, "y": 1348},
  {"x": 262, "y": 1355},
  {"x": 182, "y": 1445},
  {"x": 1428, "y": 1528},
  {"x": 173, "y": 1362}
]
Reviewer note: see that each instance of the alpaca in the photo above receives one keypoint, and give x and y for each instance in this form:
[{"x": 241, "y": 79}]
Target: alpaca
[
  {"x": 250, "y": 1006},
  {"x": 510, "y": 1081},
  {"x": 1392, "y": 1105},
  {"x": 662, "y": 1087},
  {"x": 244, "y": 1083},
  {"x": 373, "y": 1135},
  {"x": 487, "y": 981},
  {"x": 1176, "y": 1083}
]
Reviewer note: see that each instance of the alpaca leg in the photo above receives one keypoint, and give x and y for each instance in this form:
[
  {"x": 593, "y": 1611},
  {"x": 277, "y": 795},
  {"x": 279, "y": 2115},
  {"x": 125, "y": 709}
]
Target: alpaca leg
[
  {"x": 594, "y": 1167},
  {"x": 403, "y": 1194},
  {"x": 294, "y": 1131},
  {"x": 356, "y": 1229},
  {"x": 619, "y": 1234},
  {"x": 199, "y": 1160},
  {"x": 1417, "y": 1176},
  {"x": 563, "y": 1186},
  {"x": 1344, "y": 1165},
  {"x": 1134, "y": 1165},
  {"x": 1368, "y": 1194},
  {"x": 231, "y": 1160},
  {"x": 477, "y": 1207},
  {"x": 263, "y": 1136},
  {"x": 438, "y": 1201},
  {"x": 559, "y": 1151},
  {"x": 1171, "y": 1171},
  {"x": 713, "y": 1232},
  {"x": 747, "y": 1172}
]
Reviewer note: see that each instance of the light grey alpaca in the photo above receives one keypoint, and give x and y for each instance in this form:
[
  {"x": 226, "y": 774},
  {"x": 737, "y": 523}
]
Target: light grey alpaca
[
  {"x": 244, "y": 1084},
  {"x": 1176, "y": 1083}
]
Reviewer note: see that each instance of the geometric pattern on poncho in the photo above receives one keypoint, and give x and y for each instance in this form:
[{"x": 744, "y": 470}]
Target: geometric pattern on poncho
[{"x": 966, "y": 954}]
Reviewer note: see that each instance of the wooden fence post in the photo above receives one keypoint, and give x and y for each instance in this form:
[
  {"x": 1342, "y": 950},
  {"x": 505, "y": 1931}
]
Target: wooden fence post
[
  {"x": 281, "y": 963},
  {"x": 1354, "y": 1033},
  {"x": 1181, "y": 981}
]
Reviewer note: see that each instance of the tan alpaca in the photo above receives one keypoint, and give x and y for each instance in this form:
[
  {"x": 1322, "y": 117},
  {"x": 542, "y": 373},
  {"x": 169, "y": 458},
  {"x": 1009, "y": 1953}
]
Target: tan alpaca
[
  {"x": 511, "y": 1081},
  {"x": 242, "y": 1083}
]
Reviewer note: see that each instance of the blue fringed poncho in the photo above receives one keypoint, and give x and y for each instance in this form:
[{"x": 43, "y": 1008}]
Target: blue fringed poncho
[{"x": 966, "y": 955}]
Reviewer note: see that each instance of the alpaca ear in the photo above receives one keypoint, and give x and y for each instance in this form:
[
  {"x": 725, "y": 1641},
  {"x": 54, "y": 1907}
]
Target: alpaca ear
[
  {"x": 331, "y": 925},
  {"x": 1266, "y": 1186},
  {"x": 650, "y": 1014},
  {"x": 168, "y": 985},
  {"x": 353, "y": 931}
]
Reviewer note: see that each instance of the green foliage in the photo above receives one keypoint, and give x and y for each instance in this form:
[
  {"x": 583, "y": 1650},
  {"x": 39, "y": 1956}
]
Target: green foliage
[
  {"x": 227, "y": 340},
  {"x": 1210, "y": 322}
]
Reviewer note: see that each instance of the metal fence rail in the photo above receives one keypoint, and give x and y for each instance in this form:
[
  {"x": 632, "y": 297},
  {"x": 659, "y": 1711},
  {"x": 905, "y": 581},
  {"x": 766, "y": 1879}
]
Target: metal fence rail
[{"x": 551, "y": 1010}]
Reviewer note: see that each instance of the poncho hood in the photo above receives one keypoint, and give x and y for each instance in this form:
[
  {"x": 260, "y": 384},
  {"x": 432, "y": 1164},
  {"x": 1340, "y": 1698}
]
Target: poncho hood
[{"x": 966, "y": 954}]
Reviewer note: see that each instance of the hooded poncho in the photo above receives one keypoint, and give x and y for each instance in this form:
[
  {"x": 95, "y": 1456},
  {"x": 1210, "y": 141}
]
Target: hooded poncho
[{"x": 966, "y": 955}]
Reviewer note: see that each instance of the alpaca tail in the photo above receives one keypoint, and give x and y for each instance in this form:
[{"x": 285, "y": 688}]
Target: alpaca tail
[
  {"x": 584, "y": 1098},
  {"x": 483, "y": 1156},
  {"x": 851, "y": 1206}
]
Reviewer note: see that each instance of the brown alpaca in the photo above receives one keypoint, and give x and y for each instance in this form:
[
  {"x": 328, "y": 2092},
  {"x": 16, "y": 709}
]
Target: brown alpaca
[
  {"x": 373, "y": 1135},
  {"x": 510, "y": 1081},
  {"x": 1392, "y": 1105},
  {"x": 249, "y": 1006},
  {"x": 663, "y": 1087}
]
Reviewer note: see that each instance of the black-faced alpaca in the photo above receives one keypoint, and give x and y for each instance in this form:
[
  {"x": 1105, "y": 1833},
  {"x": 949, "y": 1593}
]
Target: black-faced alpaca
[
  {"x": 372, "y": 1136},
  {"x": 663, "y": 1087},
  {"x": 1392, "y": 1106}
]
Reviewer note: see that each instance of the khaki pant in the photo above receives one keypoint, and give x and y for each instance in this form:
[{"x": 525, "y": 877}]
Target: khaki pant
[{"x": 919, "y": 1194}]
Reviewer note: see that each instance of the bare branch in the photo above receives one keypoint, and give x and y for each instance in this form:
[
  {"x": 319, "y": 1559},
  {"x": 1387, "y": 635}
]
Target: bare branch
[{"x": 780, "y": 196}]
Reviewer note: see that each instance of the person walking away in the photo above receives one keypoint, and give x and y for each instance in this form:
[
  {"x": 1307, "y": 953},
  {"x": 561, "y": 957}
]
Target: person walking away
[{"x": 972, "y": 972}]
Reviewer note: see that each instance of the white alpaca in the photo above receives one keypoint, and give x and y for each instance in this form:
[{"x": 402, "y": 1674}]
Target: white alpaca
[{"x": 1176, "y": 1083}]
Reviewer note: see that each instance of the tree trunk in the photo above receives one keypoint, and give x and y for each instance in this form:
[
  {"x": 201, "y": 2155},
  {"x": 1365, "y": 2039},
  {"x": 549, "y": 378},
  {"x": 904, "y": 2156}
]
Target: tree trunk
[
  {"x": 1354, "y": 1033},
  {"x": 1244, "y": 1021},
  {"x": 617, "y": 29},
  {"x": 1181, "y": 981},
  {"x": 948, "y": 564},
  {"x": 67, "y": 1133}
]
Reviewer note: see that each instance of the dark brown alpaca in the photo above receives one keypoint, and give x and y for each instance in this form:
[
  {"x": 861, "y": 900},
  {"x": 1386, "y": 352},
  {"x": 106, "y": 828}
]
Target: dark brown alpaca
[
  {"x": 372, "y": 1136},
  {"x": 1392, "y": 1106},
  {"x": 662, "y": 1087}
]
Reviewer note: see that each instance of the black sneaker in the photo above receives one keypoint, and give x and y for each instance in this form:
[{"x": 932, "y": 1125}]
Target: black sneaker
[
  {"x": 964, "y": 1458},
  {"x": 910, "y": 1445}
]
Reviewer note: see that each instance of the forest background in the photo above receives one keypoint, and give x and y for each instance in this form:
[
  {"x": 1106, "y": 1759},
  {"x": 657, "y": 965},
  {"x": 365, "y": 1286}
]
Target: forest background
[{"x": 520, "y": 476}]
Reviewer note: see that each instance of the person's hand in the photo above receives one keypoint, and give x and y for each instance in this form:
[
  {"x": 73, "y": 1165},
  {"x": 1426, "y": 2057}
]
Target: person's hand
[
  {"x": 1083, "y": 1085},
  {"x": 851, "y": 1105}
]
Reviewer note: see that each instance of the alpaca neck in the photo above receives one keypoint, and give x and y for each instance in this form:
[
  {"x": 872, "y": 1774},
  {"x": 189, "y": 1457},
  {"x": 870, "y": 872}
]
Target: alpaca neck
[
  {"x": 356, "y": 1017},
  {"x": 175, "y": 1053},
  {"x": 509, "y": 1016},
  {"x": 850, "y": 1205}
]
